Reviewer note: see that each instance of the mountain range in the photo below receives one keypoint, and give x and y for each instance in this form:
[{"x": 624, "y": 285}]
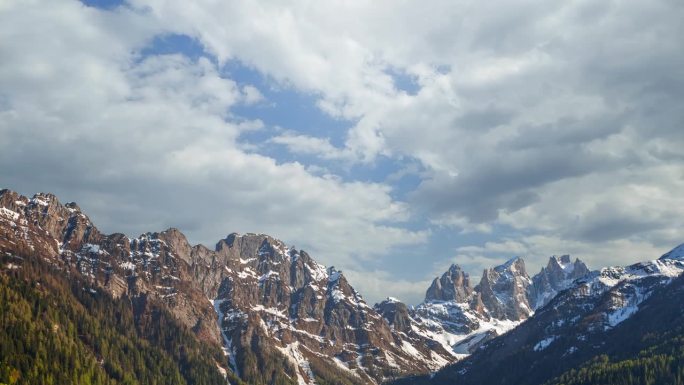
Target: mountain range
[{"x": 255, "y": 310}]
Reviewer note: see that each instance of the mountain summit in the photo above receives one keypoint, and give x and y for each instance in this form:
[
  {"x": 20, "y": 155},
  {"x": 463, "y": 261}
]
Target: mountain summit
[
  {"x": 462, "y": 318},
  {"x": 266, "y": 304},
  {"x": 273, "y": 315}
]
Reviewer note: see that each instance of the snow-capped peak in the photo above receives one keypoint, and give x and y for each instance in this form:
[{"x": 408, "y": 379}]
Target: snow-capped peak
[
  {"x": 510, "y": 265},
  {"x": 564, "y": 263},
  {"x": 676, "y": 253}
]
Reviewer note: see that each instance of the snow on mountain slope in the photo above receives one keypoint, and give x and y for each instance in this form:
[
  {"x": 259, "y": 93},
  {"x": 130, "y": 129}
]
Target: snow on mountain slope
[
  {"x": 676, "y": 253},
  {"x": 307, "y": 312},
  {"x": 266, "y": 303},
  {"x": 559, "y": 274},
  {"x": 462, "y": 318},
  {"x": 603, "y": 313}
]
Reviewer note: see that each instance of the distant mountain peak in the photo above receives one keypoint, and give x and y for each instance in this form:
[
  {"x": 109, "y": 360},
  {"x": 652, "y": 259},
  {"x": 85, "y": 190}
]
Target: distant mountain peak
[
  {"x": 563, "y": 261},
  {"x": 676, "y": 253},
  {"x": 558, "y": 275},
  {"x": 454, "y": 285},
  {"x": 513, "y": 262}
]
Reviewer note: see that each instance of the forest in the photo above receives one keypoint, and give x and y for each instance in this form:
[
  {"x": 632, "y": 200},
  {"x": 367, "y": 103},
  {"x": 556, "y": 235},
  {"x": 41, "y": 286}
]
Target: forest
[{"x": 57, "y": 329}]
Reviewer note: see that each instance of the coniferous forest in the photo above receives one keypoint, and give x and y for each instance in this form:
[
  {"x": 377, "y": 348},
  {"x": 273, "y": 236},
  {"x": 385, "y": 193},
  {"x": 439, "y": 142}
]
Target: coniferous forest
[
  {"x": 56, "y": 329},
  {"x": 661, "y": 364}
]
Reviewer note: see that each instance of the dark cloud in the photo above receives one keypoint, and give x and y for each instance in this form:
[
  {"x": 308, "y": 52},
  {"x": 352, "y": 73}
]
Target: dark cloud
[{"x": 608, "y": 221}]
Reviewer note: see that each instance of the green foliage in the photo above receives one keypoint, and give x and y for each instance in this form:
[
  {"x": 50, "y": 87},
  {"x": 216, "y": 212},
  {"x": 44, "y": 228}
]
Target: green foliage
[
  {"x": 328, "y": 374},
  {"x": 262, "y": 365},
  {"x": 660, "y": 364},
  {"x": 55, "y": 330}
]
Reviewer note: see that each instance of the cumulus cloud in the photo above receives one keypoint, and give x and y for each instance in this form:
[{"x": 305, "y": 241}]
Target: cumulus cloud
[
  {"x": 304, "y": 144},
  {"x": 144, "y": 142},
  {"x": 559, "y": 123}
]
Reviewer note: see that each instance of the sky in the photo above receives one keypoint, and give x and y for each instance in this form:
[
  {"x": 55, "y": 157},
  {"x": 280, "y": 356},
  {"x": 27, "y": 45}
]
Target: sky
[{"x": 387, "y": 138}]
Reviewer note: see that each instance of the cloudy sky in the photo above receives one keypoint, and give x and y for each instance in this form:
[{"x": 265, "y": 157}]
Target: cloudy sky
[{"x": 388, "y": 138}]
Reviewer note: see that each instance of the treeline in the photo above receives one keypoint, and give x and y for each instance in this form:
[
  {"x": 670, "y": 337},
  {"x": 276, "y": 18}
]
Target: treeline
[
  {"x": 56, "y": 329},
  {"x": 660, "y": 364}
]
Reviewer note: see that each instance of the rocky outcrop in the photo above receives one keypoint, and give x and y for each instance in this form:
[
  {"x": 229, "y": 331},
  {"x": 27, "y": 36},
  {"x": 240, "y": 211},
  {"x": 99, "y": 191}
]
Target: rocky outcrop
[
  {"x": 462, "y": 318},
  {"x": 620, "y": 311},
  {"x": 558, "y": 275},
  {"x": 396, "y": 313},
  {"x": 454, "y": 285},
  {"x": 503, "y": 291},
  {"x": 307, "y": 311}
]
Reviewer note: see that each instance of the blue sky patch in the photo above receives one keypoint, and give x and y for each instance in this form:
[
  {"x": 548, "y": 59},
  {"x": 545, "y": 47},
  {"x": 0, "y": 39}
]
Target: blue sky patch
[
  {"x": 404, "y": 81},
  {"x": 103, "y": 4},
  {"x": 176, "y": 44}
]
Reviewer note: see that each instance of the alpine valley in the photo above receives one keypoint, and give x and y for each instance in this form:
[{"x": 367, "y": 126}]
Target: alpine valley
[{"x": 81, "y": 307}]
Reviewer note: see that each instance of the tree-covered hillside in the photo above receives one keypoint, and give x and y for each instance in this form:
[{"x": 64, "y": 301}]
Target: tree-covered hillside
[
  {"x": 56, "y": 329},
  {"x": 662, "y": 363}
]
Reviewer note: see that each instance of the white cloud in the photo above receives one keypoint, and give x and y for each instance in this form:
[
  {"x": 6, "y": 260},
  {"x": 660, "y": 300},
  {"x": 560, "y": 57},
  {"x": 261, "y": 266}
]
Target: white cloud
[
  {"x": 252, "y": 94},
  {"x": 537, "y": 249},
  {"x": 143, "y": 143},
  {"x": 558, "y": 120},
  {"x": 304, "y": 144}
]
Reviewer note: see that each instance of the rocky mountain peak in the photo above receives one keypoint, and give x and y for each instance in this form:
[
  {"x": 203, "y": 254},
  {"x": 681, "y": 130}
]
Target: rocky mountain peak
[
  {"x": 514, "y": 266},
  {"x": 263, "y": 302},
  {"x": 453, "y": 285},
  {"x": 250, "y": 245},
  {"x": 558, "y": 275},
  {"x": 564, "y": 268},
  {"x": 503, "y": 290},
  {"x": 676, "y": 253},
  {"x": 396, "y": 313},
  {"x": 73, "y": 206},
  {"x": 563, "y": 262},
  {"x": 177, "y": 241}
]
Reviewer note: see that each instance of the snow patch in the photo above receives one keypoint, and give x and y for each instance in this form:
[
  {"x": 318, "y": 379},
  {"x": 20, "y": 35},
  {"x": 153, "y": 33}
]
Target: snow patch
[
  {"x": 12, "y": 266},
  {"x": 127, "y": 265},
  {"x": 317, "y": 272},
  {"x": 543, "y": 344},
  {"x": 39, "y": 201},
  {"x": 291, "y": 351},
  {"x": 7, "y": 213},
  {"x": 91, "y": 248},
  {"x": 227, "y": 348},
  {"x": 676, "y": 253},
  {"x": 269, "y": 274},
  {"x": 411, "y": 350},
  {"x": 627, "y": 305},
  {"x": 571, "y": 350},
  {"x": 270, "y": 310}
]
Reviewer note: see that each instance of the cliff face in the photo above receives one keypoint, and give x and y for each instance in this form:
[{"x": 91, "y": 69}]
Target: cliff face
[
  {"x": 454, "y": 285},
  {"x": 622, "y": 315},
  {"x": 266, "y": 304},
  {"x": 462, "y": 318},
  {"x": 558, "y": 275},
  {"x": 143, "y": 266}
]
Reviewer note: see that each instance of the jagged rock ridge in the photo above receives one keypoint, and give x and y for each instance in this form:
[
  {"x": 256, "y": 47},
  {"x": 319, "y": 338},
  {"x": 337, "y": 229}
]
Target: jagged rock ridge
[
  {"x": 461, "y": 317},
  {"x": 604, "y": 312},
  {"x": 268, "y": 305}
]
